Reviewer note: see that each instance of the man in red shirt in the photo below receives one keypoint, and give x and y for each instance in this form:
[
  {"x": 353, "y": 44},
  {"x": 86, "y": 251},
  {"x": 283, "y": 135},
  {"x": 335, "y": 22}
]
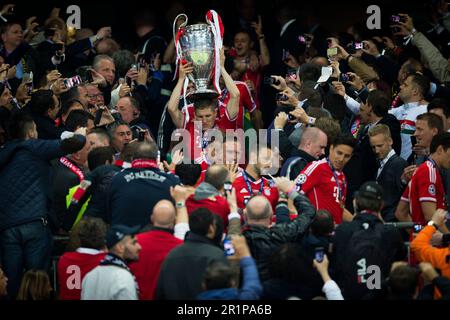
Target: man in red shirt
[
  {"x": 425, "y": 192},
  {"x": 246, "y": 102},
  {"x": 324, "y": 183},
  {"x": 156, "y": 244},
  {"x": 209, "y": 193},
  {"x": 73, "y": 266},
  {"x": 251, "y": 182},
  {"x": 204, "y": 110}
]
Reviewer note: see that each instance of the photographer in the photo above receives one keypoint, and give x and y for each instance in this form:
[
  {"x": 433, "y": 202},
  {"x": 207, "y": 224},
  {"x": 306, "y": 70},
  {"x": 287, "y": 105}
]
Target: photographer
[{"x": 365, "y": 239}]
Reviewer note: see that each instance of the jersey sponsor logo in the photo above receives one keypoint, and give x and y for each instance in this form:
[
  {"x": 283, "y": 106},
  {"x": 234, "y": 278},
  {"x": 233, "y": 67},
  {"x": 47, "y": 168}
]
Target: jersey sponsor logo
[
  {"x": 432, "y": 190},
  {"x": 301, "y": 179}
]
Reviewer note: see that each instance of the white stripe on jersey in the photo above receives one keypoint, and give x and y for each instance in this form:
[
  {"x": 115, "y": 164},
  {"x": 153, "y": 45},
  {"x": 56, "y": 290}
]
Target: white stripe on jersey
[
  {"x": 431, "y": 172},
  {"x": 314, "y": 165}
]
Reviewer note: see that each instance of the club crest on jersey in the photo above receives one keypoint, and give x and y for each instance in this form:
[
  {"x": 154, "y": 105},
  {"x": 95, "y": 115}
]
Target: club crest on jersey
[
  {"x": 301, "y": 179},
  {"x": 267, "y": 192},
  {"x": 432, "y": 190},
  {"x": 243, "y": 190}
]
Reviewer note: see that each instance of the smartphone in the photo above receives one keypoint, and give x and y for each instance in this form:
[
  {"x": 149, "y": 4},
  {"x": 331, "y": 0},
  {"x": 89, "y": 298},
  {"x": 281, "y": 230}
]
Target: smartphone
[
  {"x": 281, "y": 97},
  {"x": 345, "y": 77},
  {"x": 292, "y": 76},
  {"x": 358, "y": 45},
  {"x": 319, "y": 254},
  {"x": 227, "y": 186},
  {"x": 417, "y": 228},
  {"x": 228, "y": 247},
  {"x": 135, "y": 67},
  {"x": 129, "y": 81},
  {"x": 28, "y": 80},
  {"x": 98, "y": 116},
  {"x": 331, "y": 52},
  {"x": 141, "y": 135},
  {"x": 89, "y": 77},
  {"x": 72, "y": 82},
  {"x": 397, "y": 19},
  {"x": 270, "y": 81}
]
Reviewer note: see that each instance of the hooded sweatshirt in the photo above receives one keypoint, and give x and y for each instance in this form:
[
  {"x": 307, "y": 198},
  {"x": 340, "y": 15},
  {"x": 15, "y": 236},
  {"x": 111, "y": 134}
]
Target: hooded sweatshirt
[{"x": 207, "y": 196}]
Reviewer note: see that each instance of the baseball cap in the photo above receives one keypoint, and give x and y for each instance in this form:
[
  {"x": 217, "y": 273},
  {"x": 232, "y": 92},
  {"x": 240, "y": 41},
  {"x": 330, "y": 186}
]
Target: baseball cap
[
  {"x": 117, "y": 232},
  {"x": 370, "y": 190}
]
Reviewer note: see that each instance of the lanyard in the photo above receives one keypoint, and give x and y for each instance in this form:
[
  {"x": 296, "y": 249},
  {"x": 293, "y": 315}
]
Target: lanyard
[
  {"x": 66, "y": 162},
  {"x": 340, "y": 190},
  {"x": 140, "y": 164},
  {"x": 249, "y": 187}
]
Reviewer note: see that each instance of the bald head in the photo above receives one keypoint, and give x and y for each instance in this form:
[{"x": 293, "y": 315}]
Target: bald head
[
  {"x": 146, "y": 150},
  {"x": 163, "y": 215},
  {"x": 314, "y": 142},
  {"x": 217, "y": 175},
  {"x": 259, "y": 211}
]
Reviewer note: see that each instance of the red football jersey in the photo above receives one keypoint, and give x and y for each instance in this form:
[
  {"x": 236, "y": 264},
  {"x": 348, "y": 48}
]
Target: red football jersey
[
  {"x": 217, "y": 205},
  {"x": 317, "y": 182},
  {"x": 425, "y": 186},
  {"x": 222, "y": 123},
  {"x": 245, "y": 101},
  {"x": 243, "y": 193}
]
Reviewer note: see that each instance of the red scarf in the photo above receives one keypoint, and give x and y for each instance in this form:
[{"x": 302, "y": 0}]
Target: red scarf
[
  {"x": 68, "y": 164},
  {"x": 140, "y": 163}
]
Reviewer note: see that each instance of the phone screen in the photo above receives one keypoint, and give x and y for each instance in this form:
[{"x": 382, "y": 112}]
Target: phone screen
[
  {"x": 319, "y": 254},
  {"x": 228, "y": 247},
  {"x": 332, "y": 52}
]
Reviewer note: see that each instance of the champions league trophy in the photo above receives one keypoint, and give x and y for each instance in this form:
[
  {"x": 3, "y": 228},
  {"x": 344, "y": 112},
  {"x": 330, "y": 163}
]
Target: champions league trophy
[{"x": 200, "y": 44}]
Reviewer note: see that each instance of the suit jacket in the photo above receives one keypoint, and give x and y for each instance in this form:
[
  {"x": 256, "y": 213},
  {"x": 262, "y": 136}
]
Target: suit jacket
[
  {"x": 363, "y": 165},
  {"x": 389, "y": 179}
]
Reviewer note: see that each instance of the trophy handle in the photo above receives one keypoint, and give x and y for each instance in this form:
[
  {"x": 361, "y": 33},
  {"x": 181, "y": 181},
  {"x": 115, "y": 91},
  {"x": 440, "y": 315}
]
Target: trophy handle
[{"x": 175, "y": 29}]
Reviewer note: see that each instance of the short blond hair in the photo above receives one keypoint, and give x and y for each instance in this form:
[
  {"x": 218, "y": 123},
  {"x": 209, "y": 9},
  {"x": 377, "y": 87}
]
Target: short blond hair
[{"x": 380, "y": 129}]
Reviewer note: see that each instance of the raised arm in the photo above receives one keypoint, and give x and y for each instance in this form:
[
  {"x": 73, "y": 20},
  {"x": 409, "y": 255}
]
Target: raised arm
[
  {"x": 233, "y": 104},
  {"x": 172, "y": 107}
]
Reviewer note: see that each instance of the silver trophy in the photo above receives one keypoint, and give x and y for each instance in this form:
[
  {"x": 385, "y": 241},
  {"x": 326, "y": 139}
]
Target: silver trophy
[{"x": 197, "y": 46}]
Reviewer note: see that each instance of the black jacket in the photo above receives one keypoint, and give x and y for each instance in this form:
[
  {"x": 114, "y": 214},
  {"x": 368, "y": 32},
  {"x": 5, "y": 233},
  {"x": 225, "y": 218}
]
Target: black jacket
[
  {"x": 182, "y": 271},
  {"x": 63, "y": 180},
  {"x": 392, "y": 242},
  {"x": 263, "y": 241},
  {"x": 393, "y": 188},
  {"x": 134, "y": 192},
  {"x": 294, "y": 165},
  {"x": 363, "y": 165},
  {"x": 46, "y": 127},
  {"x": 25, "y": 177}
]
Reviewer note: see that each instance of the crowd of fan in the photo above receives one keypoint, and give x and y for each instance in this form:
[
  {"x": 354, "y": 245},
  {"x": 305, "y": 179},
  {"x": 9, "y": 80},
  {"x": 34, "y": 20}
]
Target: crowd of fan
[{"x": 94, "y": 190}]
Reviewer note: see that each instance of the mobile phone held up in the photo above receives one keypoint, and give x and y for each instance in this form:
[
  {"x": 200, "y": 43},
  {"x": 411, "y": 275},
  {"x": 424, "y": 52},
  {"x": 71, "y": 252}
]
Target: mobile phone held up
[
  {"x": 345, "y": 77},
  {"x": 270, "y": 81},
  {"x": 228, "y": 247},
  {"x": 331, "y": 52},
  {"x": 72, "y": 82},
  {"x": 141, "y": 135},
  {"x": 282, "y": 97},
  {"x": 397, "y": 18},
  {"x": 319, "y": 254},
  {"x": 358, "y": 45}
]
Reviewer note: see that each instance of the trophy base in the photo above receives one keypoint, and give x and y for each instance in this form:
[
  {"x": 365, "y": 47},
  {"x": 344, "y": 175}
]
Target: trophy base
[{"x": 202, "y": 94}]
